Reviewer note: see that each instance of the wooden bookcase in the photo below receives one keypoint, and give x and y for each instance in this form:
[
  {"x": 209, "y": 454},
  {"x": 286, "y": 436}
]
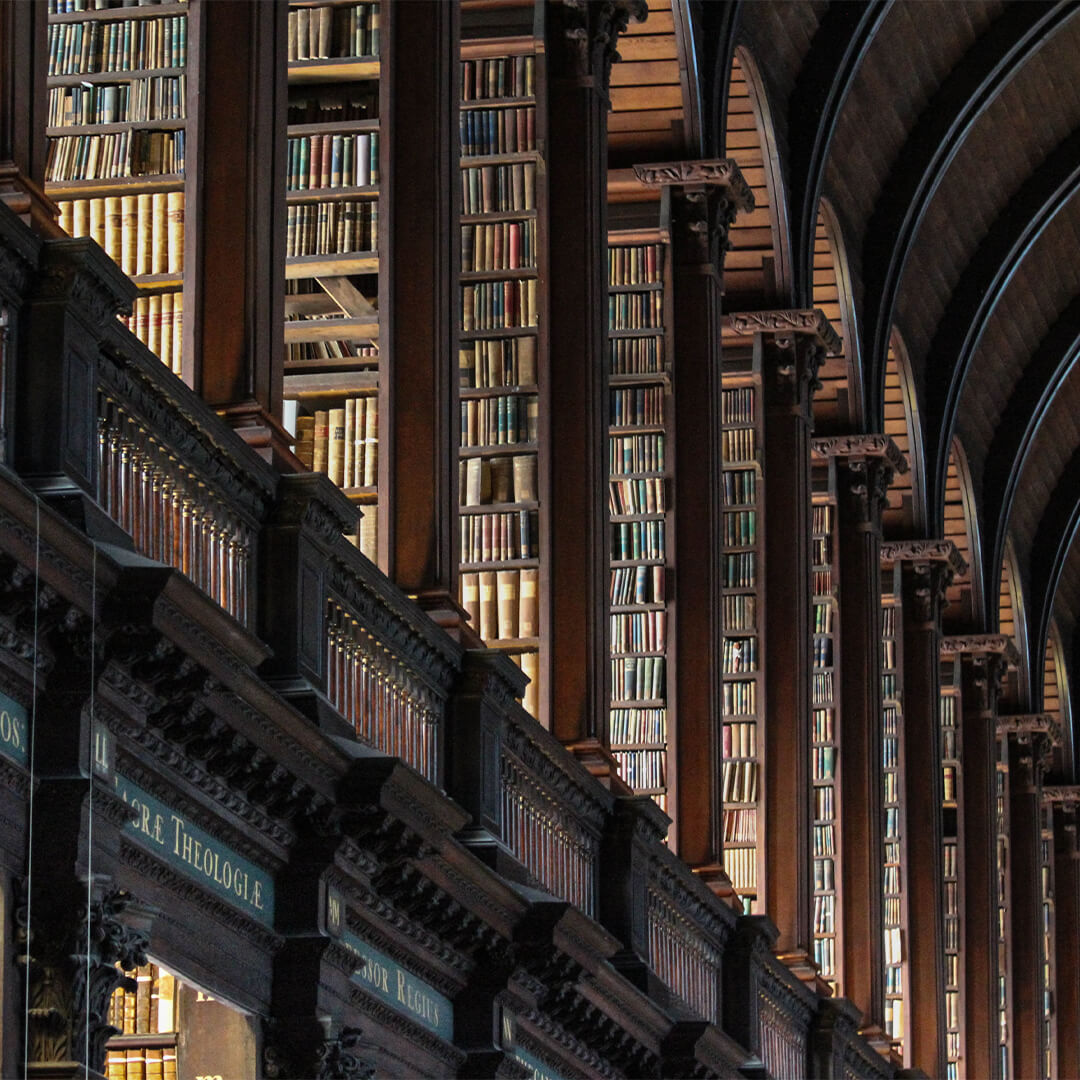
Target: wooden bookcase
[
  {"x": 117, "y": 121},
  {"x": 825, "y": 726},
  {"x": 743, "y": 613},
  {"x": 895, "y": 896},
  {"x": 1048, "y": 948},
  {"x": 334, "y": 397},
  {"x": 503, "y": 347},
  {"x": 949, "y": 711},
  {"x": 1001, "y": 824},
  {"x": 640, "y": 460},
  {"x": 149, "y": 1024}
]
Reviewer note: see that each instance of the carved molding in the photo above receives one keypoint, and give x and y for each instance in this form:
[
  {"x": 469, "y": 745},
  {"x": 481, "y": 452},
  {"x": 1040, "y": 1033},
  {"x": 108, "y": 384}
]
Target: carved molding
[
  {"x": 811, "y": 321},
  {"x": 590, "y": 33},
  {"x": 859, "y": 446},
  {"x": 992, "y": 644},
  {"x": 306, "y": 1050},
  {"x": 1067, "y": 795},
  {"x": 722, "y": 172},
  {"x": 867, "y": 480},
  {"x": 942, "y": 551},
  {"x": 1029, "y": 724},
  {"x": 80, "y": 274}
]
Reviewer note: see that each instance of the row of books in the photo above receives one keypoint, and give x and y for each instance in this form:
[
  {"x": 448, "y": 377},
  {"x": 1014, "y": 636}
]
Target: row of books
[
  {"x": 639, "y": 631},
  {"x": 740, "y": 571},
  {"x": 637, "y": 405},
  {"x": 947, "y": 710},
  {"x": 503, "y": 604},
  {"x": 141, "y": 1063},
  {"x": 888, "y": 686},
  {"x": 822, "y": 839},
  {"x": 297, "y": 351},
  {"x": 529, "y": 662},
  {"x": 740, "y": 654},
  {"x": 316, "y": 33},
  {"x": 825, "y": 956},
  {"x": 490, "y": 189},
  {"x": 739, "y": 612},
  {"x": 497, "y": 480},
  {"x": 325, "y": 162},
  {"x": 888, "y": 621},
  {"x": 336, "y": 104},
  {"x": 499, "y": 421},
  {"x": 739, "y": 781},
  {"x": 83, "y": 48},
  {"x": 73, "y": 7},
  {"x": 641, "y": 496},
  {"x": 486, "y": 132},
  {"x": 636, "y": 355},
  {"x": 740, "y": 739},
  {"x": 740, "y": 698},
  {"x": 637, "y": 678},
  {"x": 821, "y": 550},
  {"x": 158, "y": 322},
  {"x": 822, "y": 725},
  {"x": 892, "y": 823},
  {"x": 513, "y": 534},
  {"x": 823, "y": 762},
  {"x": 635, "y": 264},
  {"x": 498, "y": 77},
  {"x": 821, "y": 520},
  {"x": 636, "y": 585},
  {"x": 821, "y": 581},
  {"x": 159, "y": 97},
  {"x": 633, "y": 726},
  {"x": 342, "y": 442},
  {"x": 636, "y": 453},
  {"x": 740, "y": 865},
  {"x": 892, "y": 788},
  {"x": 823, "y": 617},
  {"x": 739, "y": 406},
  {"x": 824, "y": 808},
  {"x": 821, "y": 687},
  {"x": 331, "y": 228},
  {"x": 739, "y": 445},
  {"x": 740, "y": 486},
  {"x": 740, "y": 528},
  {"x": 824, "y": 875},
  {"x": 643, "y": 770},
  {"x": 892, "y": 910},
  {"x": 635, "y": 311},
  {"x": 499, "y": 305},
  {"x": 143, "y": 234},
  {"x": 637, "y": 540},
  {"x": 115, "y": 156},
  {"x": 894, "y": 952},
  {"x": 487, "y": 363},
  {"x": 825, "y": 914},
  {"x": 502, "y": 245},
  {"x": 148, "y": 1009},
  {"x": 948, "y": 773},
  {"x": 823, "y": 648},
  {"x": 740, "y": 825}
]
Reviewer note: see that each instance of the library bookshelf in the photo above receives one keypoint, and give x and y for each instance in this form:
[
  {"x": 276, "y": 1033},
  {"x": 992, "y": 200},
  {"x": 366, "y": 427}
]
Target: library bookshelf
[
  {"x": 116, "y": 166},
  {"x": 949, "y": 713},
  {"x": 826, "y": 726},
  {"x": 334, "y": 396},
  {"x": 1004, "y": 964},
  {"x": 895, "y": 898},
  {"x": 1047, "y": 950},
  {"x": 148, "y": 1024},
  {"x": 502, "y": 366},
  {"x": 743, "y": 608},
  {"x": 639, "y": 475}
]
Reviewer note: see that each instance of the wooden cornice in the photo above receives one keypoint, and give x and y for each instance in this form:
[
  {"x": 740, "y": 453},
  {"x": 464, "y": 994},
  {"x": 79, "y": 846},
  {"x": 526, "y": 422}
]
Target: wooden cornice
[
  {"x": 811, "y": 321},
  {"x": 980, "y": 644},
  {"x": 1065, "y": 794},
  {"x": 943, "y": 551},
  {"x": 716, "y": 172},
  {"x": 1028, "y": 724},
  {"x": 859, "y": 446}
]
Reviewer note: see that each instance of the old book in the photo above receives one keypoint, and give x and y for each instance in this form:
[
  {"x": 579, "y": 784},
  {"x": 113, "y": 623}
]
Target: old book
[
  {"x": 371, "y": 441},
  {"x": 529, "y": 605},
  {"x": 477, "y": 482},
  {"x": 507, "y": 584},
  {"x": 113, "y": 228},
  {"x": 350, "y": 441},
  {"x": 305, "y": 441},
  {"x": 178, "y": 332},
  {"x": 144, "y": 244},
  {"x": 524, "y": 478},
  {"x": 97, "y": 221},
  {"x": 136, "y": 1064},
  {"x": 153, "y": 325},
  {"x": 489, "y": 608},
  {"x": 369, "y": 532},
  {"x": 530, "y": 664},
  {"x": 322, "y": 440},
  {"x": 335, "y": 455},
  {"x": 155, "y": 1064},
  {"x": 165, "y": 337},
  {"x": 502, "y": 479},
  {"x": 470, "y": 598},
  {"x": 159, "y": 230},
  {"x": 129, "y": 240},
  {"x": 175, "y": 231}
]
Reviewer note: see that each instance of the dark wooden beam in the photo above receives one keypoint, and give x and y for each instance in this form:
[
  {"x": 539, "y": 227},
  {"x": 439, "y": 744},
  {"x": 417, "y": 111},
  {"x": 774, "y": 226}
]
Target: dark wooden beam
[
  {"x": 1020, "y": 421},
  {"x": 719, "y": 23},
  {"x": 936, "y": 138},
  {"x": 841, "y": 42}
]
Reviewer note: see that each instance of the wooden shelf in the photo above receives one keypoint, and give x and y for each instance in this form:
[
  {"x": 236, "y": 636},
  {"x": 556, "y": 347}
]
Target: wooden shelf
[
  {"x": 113, "y": 128},
  {"x": 334, "y": 127},
  {"x": 132, "y": 75},
  {"x": 643, "y": 331},
  {"x": 505, "y": 332},
  {"x": 494, "y": 103},
  {"x": 59, "y": 189},
  {"x": 475, "y": 161},
  {"x": 334, "y": 69},
  {"x": 649, "y": 286},
  {"x": 524, "y": 563},
  {"x": 343, "y": 329},
  {"x": 472, "y": 393},
  {"x": 338, "y": 265},
  {"x": 497, "y": 215},
  {"x": 516, "y": 274},
  {"x": 149, "y": 11},
  {"x": 322, "y": 194},
  {"x": 635, "y": 379},
  {"x": 499, "y": 450},
  {"x": 345, "y": 383},
  {"x": 497, "y": 508}
]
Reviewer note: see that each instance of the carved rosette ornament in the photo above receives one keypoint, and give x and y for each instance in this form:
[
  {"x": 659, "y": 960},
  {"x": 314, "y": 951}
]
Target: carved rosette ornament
[
  {"x": 591, "y": 29},
  {"x": 73, "y": 974}
]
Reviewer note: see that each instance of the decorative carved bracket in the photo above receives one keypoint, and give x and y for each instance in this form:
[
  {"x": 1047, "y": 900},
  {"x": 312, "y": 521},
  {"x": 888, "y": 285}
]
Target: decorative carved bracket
[
  {"x": 980, "y": 645},
  {"x": 717, "y": 172},
  {"x": 786, "y": 323},
  {"x": 1029, "y": 724},
  {"x": 919, "y": 551},
  {"x": 866, "y": 465},
  {"x": 591, "y": 32},
  {"x": 854, "y": 447},
  {"x": 1065, "y": 794}
]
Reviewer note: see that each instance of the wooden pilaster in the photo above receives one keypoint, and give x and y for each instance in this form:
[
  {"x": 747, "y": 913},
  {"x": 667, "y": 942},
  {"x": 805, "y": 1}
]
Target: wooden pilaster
[
  {"x": 234, "y": 292},
  {"x": 927, "y": 569},
  {"x": 705, "y": 200},
  {"x": 581, "y": 41},
  {"x": 983, "y": 659},
  {"x": 419, "y": 261},
  {"x": 792, "y": 345},
  {"x": 865, "y": 465},
  {"x": 1067, "y": 919}
]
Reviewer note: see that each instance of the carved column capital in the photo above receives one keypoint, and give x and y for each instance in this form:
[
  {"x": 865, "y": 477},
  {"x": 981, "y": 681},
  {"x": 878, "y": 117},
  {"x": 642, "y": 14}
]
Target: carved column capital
[
  {"x": 1032, "y": 739},
  {"x": 932, "y": 564},
  {"x": 586, "y": 33},
  {"x": 307, "y": 1048},
  {"x": 865, "y": 466},
  {"x": 986, "y": 658}
]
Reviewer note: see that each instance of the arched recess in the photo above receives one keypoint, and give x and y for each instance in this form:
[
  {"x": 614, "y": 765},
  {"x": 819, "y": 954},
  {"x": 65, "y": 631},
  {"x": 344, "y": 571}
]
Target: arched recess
[
  {"x": 838, "y": 405},
  {"x": 1012, "y": 621},
  {"x": 964, "y": 607},
  {"x": 905, "y": 511},
  {"x": 757, "y": 269},
  {"x": 1056, "y": 699}
]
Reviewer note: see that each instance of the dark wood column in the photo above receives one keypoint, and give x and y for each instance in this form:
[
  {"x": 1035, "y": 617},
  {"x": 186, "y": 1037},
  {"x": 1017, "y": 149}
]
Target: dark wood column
[
  {"x": 792, "y": 345},
  {"x": 1031, "y": 740},
  {"x": 234, "y": 283},
  {"x": 1066, "y": 800},
  {"x": 983, "y": 661},
  {"x": 865, "y": 465},
  {"x": 705, "y": 198},
  {"x": 580, "y": 41},
  {"x": 24, "y": 55},
  {"x": 419, "y": 269},
  {"x": 927, "y": 568}
]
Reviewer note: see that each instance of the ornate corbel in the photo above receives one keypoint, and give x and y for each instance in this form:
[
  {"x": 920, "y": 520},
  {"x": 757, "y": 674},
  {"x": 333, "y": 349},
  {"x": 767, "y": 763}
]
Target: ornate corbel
[
  {"x": 866, "y": 464},
  {"x": 989, "y": 655},
  {"x": 590, "y": 32},
  {"x": 310, "y": 1049},
  {"x": 933, "y": 563}
]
